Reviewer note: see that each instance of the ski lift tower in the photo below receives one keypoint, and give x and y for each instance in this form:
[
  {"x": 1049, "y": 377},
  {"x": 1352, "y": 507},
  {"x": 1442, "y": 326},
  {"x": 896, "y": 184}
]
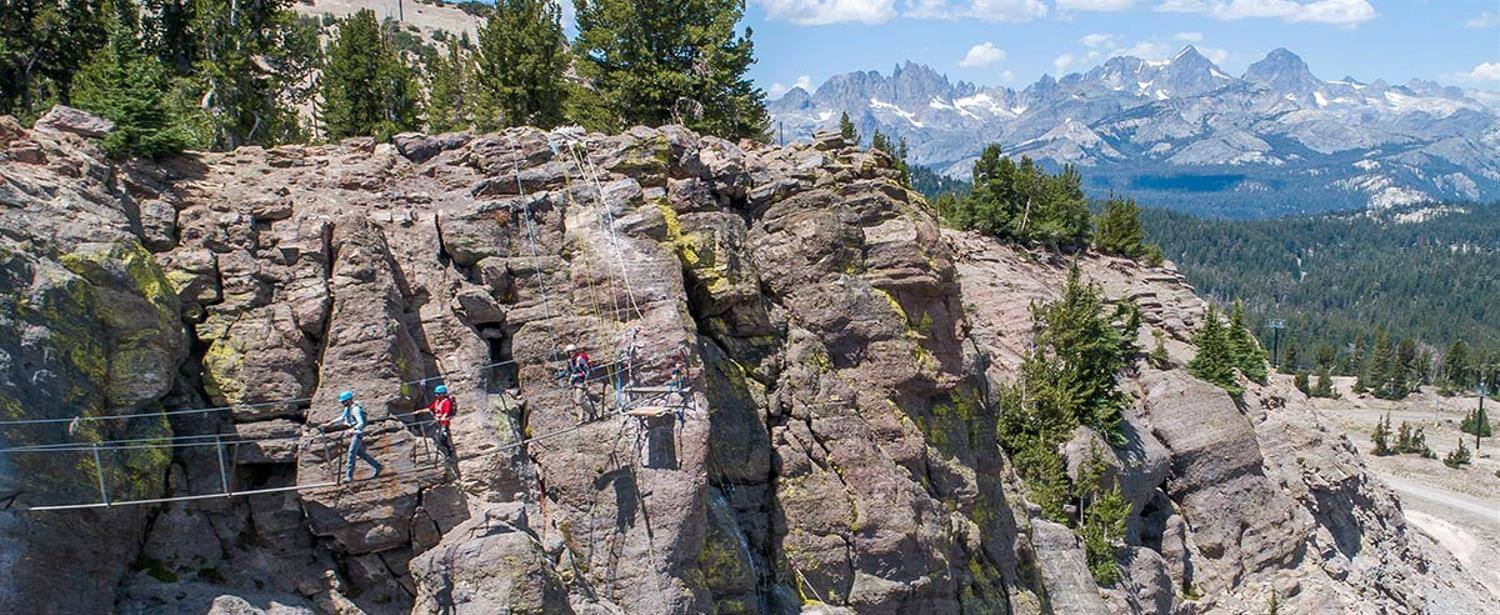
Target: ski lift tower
[{"x": 1276, "y": 326}]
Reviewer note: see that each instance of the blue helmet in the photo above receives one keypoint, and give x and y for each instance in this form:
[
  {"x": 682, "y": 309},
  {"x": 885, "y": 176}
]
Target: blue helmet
[
  {"x": 346, "y": 396},
  {"x": 441, "y": 389}
]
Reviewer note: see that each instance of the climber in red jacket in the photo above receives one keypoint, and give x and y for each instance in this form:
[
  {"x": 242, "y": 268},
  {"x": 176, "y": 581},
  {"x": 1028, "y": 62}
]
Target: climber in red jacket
[
  {"x": 441, "y": 410},
  {"x": 580, "y": 371}
]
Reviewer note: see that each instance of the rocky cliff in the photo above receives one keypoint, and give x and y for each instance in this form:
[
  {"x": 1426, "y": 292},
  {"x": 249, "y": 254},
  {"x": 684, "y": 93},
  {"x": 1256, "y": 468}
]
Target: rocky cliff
[{"x": 834, "y": 450}]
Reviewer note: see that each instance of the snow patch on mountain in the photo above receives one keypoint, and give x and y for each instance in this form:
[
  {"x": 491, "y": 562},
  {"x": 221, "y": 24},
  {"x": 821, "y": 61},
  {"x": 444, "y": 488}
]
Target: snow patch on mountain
[{"x": 1277, "y": 125}]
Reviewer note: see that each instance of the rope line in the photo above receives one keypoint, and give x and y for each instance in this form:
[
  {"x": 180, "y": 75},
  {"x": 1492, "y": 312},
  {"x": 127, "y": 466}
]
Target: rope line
[{"x": 499, "y": 449}]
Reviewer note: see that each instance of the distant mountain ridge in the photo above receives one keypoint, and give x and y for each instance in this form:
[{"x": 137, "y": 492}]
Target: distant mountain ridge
[{"x": 1182, "y": 131}]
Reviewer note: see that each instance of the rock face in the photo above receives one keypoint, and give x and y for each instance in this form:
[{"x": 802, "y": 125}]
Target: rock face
[{"x": 818, "y": 354}]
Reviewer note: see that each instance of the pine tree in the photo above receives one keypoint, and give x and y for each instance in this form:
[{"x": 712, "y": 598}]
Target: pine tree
[
  {"x": 1456, "y": 367},
  {"x": 1061, "y": 211},
  {"x": 244, "y": 71},
  {"x": 522, "y": 58},
  {"x": 449, "y": 105},
  {"x": 1458, "y": 457},
  {"x": 1248, "y": 355},
  {"x": 1091, "y": 350},
  {"x": 1215, "y": 362},
  {"x": 656, "y": 62},
  {"x": 368, "y": 90},
  {"x": 1159, "y": 357},
  {"x": 1476, "y": 422},
  {"x": 43, "y": 43},
  {"x": 847, "y": 130},
  {"x": 1119, "y": 230},
  {"x": 1301, "y": 382},
  {"x": 125, "y": 85},
  {"x": 1323, "y": 386},
  {"x": 1382, "y": 436}
]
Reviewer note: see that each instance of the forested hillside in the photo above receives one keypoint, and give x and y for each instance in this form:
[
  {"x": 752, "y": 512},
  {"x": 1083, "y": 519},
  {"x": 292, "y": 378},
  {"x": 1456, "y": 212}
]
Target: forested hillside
[
  {"x": 1426, "y": 274},
  {"x": 213, "y": 75}
]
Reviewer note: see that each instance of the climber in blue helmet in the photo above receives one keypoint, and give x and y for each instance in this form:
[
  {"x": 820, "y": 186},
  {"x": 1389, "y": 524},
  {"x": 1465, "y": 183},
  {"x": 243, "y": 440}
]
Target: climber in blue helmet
[{"x": 353, "y": 417}]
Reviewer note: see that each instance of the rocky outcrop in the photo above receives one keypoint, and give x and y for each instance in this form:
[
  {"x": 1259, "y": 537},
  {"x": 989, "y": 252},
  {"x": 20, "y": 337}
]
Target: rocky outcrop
[{"x": 833, "y": 447}]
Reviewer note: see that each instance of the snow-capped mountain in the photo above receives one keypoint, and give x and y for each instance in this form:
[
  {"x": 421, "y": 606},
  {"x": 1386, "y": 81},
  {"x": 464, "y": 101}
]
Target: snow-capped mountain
[{"x": 1276, "y": 139}]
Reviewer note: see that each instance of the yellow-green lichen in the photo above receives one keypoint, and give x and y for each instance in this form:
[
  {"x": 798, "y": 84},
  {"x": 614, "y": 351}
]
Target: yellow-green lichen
[{"x": 221, "y": 367}]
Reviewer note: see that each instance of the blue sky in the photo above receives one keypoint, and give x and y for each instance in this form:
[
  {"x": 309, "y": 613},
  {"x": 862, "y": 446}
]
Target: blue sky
[{"x": 1013, "y": 42}]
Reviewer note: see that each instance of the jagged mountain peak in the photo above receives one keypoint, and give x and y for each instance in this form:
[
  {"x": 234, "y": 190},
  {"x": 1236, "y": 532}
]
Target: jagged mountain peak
[
  {"x": 1180, "y": 111},
  {"x": 1284, "y": 72}
]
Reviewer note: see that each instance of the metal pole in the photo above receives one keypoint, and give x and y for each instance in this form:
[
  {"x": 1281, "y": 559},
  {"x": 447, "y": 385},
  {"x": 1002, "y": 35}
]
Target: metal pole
[
  {"x": 99, "y": 472},
  {"x": 1480, "y": 422},
  {"x": 223, "y": 471}
]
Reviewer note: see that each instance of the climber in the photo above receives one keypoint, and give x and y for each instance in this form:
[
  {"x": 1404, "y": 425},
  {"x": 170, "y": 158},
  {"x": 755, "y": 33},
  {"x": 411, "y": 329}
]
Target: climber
[
  {"x": 441, "y": 410},
  {"x": 354, "y": 417},
  {"x": 580, "y": 371}
]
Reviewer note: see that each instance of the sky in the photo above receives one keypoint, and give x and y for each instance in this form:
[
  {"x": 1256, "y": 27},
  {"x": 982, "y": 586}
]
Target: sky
[{"x": 1014, "y": 42}]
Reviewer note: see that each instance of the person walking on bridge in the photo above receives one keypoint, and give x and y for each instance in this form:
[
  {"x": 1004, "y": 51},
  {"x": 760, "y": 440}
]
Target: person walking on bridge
[
  {"x": 354, "y": 418},
  {"x": 441, "y": 410}
]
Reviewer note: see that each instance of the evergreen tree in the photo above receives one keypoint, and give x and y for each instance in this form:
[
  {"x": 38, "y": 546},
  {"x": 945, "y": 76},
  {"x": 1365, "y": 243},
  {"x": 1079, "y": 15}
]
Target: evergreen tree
[
  {"x": 1325, "y": 356},
  {"x": 449, "y": 106},
  {"x": 368, "y": 90},
  {"x": 1323, "y": 386},
  {"x": 1382, "y": 437},
  {"x": 1456, "y": 368},
  {"x": 1159, "y": 357},
  {"x": 1359, "y": 365},
  {"x": 1385, "y": 378},
  {"x": 42, "y": 44},
  {"x": 1458, "y": 457},
  {"x": 847, "y": 130},
  {"x": 522, "y": 58},
  {"x": 125, "y": 85},
  {"x": 657, "y": 62},
  {"x": 1061, "y": 211},
  {"x": 1119, "y": 230},
  {"x": 1301, "y": 382},
  {"x": 1090, "y": 349},
  {"x": 1103, "y": 526},
  {"x": 1036, "y": 416},
  {"x": 1215, "y": 361},
  {"x": 1410, "y": 440},
  {"x": 1248, "y": 355},
  {"x": 1289, "y": 358},
  {"x": 245, "y": 69},
  {"x": 1476, "y": 422}
]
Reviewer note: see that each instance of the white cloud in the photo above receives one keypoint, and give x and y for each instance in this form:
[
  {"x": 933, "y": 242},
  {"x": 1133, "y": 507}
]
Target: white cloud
[
  {"x": 1484, "y": 20},
  {"x": 1064, "y": 62},
  {"x": 1103, "y": 6},
  {"x": 1189, "y": 37},
  {"x": 823, "y": 12},
  {"x": 1099, "y": 40},
  {"x": 1146, "y": 50},
  {"x": 1487, "y": 71},
  {"x": 777, "y": 90},
  {"x": 982, "y": 55},
  {"x": 1217, "y": 56},
  {"x": 1338, "y": 12},
  {"x": 1007, "y": 76},
  {"x": 984, "y": 10}
]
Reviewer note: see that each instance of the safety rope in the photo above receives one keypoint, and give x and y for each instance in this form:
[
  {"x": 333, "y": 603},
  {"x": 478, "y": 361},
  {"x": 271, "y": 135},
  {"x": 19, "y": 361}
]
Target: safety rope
[
  {"x": 500, "y": 449},
  {"x": 607, "y": 220},
  {"x": 531, "y": 239},
  {"x": 225, "y": 408}
]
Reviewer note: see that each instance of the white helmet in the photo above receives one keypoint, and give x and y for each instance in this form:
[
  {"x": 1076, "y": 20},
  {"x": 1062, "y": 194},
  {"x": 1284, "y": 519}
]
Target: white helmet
[{"x": 571, "y": 348}]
